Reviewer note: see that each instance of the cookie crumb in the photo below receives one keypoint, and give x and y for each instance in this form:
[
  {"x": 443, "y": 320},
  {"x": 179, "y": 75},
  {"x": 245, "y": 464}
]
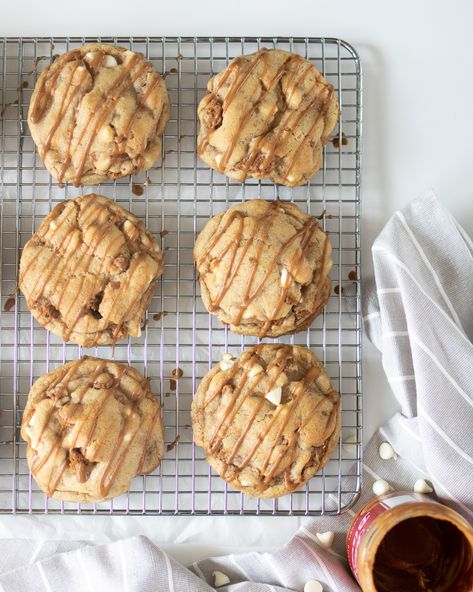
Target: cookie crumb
[{"x": 173, "y": 444}]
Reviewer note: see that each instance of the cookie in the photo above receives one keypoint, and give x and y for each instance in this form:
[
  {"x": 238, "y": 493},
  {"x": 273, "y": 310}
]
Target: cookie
[
  {"x": 91, "y": 426},
  {"x": 98, "y": 113},
  {"x": 263, "y": 268},
  {"x": 89, "y": 271},
  {"x": 267, "y": 115},
  {"x": 267, "y": 420}
]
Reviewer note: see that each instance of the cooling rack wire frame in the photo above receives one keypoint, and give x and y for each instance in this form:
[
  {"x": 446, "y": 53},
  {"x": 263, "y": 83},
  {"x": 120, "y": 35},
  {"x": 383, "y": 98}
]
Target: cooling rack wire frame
[{"x": 180, "y": 195}]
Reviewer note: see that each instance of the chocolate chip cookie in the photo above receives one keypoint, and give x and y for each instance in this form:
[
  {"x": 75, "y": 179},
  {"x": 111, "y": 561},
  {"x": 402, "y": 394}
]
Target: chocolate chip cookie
[
  {"x": 98, "y": 113},
  {"x": 268, "y": 420},
  {"x": 267, "y": 115},
  {"x": 91, "y": 426},
  {"x": 263, "y": 268},
  {"x": 89, "y": 271}
]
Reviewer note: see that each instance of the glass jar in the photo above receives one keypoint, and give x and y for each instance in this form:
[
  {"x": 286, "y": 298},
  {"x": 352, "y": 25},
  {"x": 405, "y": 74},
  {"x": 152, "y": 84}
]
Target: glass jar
[{"x": 408, "y": 542}]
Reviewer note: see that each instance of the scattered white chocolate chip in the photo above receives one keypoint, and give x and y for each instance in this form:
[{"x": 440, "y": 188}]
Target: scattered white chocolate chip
[
  {"x": 285, "y": 278},
  {"x": 109, "y": 62},
  {"x": 127, "y": 437},
  {"x": 380, "y": 487},
  {"x": 220, "y": 579},
  {"x": 53, "y": 225},
  {"x": 218, "y": 159},
  {"x": 313, "y": 586},
  {"x": 386, "y": 451},
  {"x": 255, "y": 370},
  {"x": 274, "y": 396},
  {"x": 325, "y": 538},
  {"x": 421, "y": 486},
  {"x": 349, "y": 444}
]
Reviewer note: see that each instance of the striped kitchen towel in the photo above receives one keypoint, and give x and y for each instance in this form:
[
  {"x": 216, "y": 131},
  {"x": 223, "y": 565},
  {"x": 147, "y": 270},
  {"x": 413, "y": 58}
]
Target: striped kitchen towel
[{"x": 418, "y": 310}]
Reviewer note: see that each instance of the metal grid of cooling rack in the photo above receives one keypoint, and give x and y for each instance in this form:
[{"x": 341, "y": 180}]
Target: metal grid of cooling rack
[{"x": 180, "y": 195}]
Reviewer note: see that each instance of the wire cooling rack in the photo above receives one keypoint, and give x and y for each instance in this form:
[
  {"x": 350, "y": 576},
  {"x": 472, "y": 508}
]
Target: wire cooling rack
[{"x": 179, "y": 195}]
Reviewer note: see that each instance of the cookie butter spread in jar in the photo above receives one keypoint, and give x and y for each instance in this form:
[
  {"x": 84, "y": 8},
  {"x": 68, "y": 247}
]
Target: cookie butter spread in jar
[{"x": 408, "y": 542}]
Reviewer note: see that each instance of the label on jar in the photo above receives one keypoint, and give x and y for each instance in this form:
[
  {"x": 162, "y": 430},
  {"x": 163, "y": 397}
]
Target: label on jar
[{"x": 364, "y": 519}]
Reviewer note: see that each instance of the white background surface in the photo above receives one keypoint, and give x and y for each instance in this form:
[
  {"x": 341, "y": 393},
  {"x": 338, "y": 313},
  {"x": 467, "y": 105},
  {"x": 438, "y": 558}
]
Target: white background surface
[{"x": 417, "y": 134}]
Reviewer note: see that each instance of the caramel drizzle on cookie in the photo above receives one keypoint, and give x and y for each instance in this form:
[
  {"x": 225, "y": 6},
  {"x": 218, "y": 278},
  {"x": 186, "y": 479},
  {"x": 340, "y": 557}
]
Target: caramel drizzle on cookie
[
  {"x": 89, "y": 216},
  {"x": 280, "y": 419},
  {"x": 296, "y": 79},
  {"x": 304, "y": 236},
  {"x": 99, "y": 115},
  {"x": 117, "y": 457}
]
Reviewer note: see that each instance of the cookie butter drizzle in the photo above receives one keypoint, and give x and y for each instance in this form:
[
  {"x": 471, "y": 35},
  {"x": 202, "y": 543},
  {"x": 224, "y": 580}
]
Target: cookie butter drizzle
[
  {"x": 279, "y": 420},
  {"x": 97, "y": 117},
  {"x": 120, "y": 451},
  {"x": 260, "y": 231},
  {"x": 296, "y": 78},
  {"x": 89, "y": 216}
]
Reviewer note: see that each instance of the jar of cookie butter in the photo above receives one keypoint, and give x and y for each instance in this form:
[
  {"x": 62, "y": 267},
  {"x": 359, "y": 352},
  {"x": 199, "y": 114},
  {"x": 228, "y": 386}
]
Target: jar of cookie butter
[{"x": 408, "y": 542}]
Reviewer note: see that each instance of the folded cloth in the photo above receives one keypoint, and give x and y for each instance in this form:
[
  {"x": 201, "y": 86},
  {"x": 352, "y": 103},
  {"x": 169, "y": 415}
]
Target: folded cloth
[{"x": 418, "y": 310}]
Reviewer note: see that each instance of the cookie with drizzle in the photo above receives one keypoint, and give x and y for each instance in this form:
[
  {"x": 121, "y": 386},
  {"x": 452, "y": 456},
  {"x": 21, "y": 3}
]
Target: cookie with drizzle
[
  {"x": 263, "y": 268},
  {"x": 267, "y": 115},
  {"x": 97, "y": 113},
  {"x": 89, "y": 271},
  {"x": 263, "y": 446},
  {"x": 91, "y": 426}
]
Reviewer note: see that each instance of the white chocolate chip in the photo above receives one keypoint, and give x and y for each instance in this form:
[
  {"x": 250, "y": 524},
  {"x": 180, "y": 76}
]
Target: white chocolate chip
[
  {"x": 218, "y": 159},
  {"x": 106, "y": 133},
  {"x": 255, "y": 370},
  {"x": 386, "y": 451},
  {"x": 285, "y": 278},
  {"x": 226, "y": 365},
  {"x": 130, "y": 230},
  {"x": 220, "y": 579},
  {"x": 274, "y": 396},
  {"x": 313, "y": 586},
  {"x": 325, "y": 538},
  {"x": 421, "y": 486},
  {"x": 228, "y": 361},
  {"x": 380, "y": 487},
  {"x": 349, "y": 444},
  {"x": 90, "y": 56},
  {"x": 53, "y": 225},
  {"x": 109, "y": 62},
  {"x": 127, "y": 411},
  {"x": 103, "y": 163},
  {"x": 127, "y": 437}
]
